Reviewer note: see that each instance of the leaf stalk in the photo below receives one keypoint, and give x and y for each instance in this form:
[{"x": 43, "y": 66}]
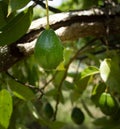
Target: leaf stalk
[{"x": 47, "y": 14}]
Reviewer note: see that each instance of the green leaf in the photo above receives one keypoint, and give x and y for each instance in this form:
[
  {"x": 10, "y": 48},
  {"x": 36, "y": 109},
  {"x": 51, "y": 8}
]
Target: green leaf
[
  {"x": 18, "y": 4},
  {"x": 16, "y": 27},
  {"x": 59, "y": 76},
  {"x": 5, "y": 108},
  {"x": 21, "y": 91},
  {"x": 81, "y": 81},
  {"x": 91, "y": 70},
  {"x": 110, "y": 73},
  {"x": 81, "y": 84},
  {"x": 60, "y": 67}
]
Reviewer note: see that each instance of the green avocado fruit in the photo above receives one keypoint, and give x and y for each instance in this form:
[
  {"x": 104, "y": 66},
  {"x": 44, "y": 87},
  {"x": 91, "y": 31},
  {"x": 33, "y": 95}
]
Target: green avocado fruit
[
  {"x": 48, "y": 50},
  {"x": 77, "y": 116},
  {"x": 108, "y": 104}
]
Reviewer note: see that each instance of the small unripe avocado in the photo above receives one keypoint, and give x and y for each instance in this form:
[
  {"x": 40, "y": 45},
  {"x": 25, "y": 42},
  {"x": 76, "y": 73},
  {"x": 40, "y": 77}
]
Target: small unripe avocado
[
  {"x": 108, "y": 104},
  {"x": 77, "y": 116}
]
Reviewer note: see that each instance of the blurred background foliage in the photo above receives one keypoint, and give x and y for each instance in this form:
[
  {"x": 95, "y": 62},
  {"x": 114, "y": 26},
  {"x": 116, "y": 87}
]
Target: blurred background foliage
[{"x": 76, "y": 90}]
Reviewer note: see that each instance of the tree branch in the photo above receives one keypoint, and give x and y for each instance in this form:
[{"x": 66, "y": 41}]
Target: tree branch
[{"x": 68, "y": 26}]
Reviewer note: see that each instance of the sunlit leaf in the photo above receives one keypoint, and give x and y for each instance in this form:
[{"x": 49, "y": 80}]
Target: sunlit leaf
[
  {"x": 60, "y": 67},
  {"x": 91, "y": 70},
  {"x": 105, "y": 69},
  {"x": 5, "y": 108},
  {"x": 110, "y": 73}
]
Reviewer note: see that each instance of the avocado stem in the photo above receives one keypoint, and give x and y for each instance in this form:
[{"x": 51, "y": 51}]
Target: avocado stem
[{"x": 47, "y": 14}]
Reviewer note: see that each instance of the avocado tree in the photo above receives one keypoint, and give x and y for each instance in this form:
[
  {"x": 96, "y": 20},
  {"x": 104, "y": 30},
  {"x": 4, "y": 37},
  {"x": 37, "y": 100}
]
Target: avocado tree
[{"x": 56, "y": 61}]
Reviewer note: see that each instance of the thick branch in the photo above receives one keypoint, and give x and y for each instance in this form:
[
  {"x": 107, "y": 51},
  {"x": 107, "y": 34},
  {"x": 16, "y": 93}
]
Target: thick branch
[{"x": 68, "y": 26}]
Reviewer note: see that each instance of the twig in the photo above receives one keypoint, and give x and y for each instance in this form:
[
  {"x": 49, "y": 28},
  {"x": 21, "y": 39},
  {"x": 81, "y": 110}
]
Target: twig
[
  {"x": 41, "y": 90},
  {"x": 45, "y": 85},
  {"x": 58, "y": 94},
  {"x": 24, "y": 84}
]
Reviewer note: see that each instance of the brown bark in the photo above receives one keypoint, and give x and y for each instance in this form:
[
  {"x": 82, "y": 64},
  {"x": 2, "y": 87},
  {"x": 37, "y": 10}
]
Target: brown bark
[{"x": 95, "y": 22}]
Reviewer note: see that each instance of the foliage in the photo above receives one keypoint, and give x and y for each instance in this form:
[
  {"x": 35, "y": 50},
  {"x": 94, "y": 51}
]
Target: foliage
[{"x": 31, "y": 97}]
